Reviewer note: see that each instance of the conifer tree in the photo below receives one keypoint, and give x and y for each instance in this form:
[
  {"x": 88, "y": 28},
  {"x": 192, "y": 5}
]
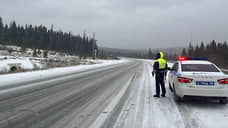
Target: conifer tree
[
  {"x": 150, "y": 54},
  {"x": 184, "y": 52},
  {"x": 1, "y": 30},
  {"x": 190, "y": 50}
]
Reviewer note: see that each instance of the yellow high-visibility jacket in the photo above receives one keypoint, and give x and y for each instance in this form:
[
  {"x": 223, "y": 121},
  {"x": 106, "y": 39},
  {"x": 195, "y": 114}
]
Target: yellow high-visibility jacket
[{"x": 162, "y": 64}]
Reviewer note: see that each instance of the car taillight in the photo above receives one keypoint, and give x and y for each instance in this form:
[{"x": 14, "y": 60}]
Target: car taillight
[
  {"x": 184, "y": 80},
  {"x": 223, "y": 81}
]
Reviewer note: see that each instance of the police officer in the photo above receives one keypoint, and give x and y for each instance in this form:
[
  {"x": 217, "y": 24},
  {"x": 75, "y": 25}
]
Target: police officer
[{"x": 159, "y": 70}]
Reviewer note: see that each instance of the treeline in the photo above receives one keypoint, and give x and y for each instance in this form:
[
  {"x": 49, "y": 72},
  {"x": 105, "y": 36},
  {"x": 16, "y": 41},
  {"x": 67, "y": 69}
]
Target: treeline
[
  {"x": 40, "y": 37},
  {"x": 151, "y": 55},
  {"x": 216, "y": 52},
  {"x": 115, "y": 52}
]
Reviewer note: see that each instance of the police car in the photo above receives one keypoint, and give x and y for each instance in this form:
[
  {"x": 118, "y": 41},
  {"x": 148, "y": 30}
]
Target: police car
[{"x": 198, "y": 77}]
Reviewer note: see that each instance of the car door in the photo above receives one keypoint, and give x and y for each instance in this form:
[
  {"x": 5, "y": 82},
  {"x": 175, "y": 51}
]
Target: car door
[{"x": 173, "y": 73}]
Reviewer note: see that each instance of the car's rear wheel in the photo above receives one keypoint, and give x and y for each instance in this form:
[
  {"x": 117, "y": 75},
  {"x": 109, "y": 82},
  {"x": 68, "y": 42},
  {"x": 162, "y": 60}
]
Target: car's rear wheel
[
  {"x": 176, "y": 97},
  {"x": 223, "y": 101},
  {"x": 170, "y": 87}
]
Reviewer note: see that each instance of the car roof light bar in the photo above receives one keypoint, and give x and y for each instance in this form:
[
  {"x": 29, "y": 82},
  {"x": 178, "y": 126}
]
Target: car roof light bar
[{"x": 199, "y": 58}]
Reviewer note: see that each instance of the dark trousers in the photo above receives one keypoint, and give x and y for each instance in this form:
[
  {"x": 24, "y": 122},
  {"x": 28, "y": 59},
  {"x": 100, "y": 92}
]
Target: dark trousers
[{"x": 160, "y": 82}]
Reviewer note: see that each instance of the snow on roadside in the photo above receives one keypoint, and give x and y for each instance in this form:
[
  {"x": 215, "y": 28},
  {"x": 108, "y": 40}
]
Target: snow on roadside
[
  {"x": 25, "y": 64},
  {"x": 8, "y": 79},
  {"x": 213, "y": 115}
]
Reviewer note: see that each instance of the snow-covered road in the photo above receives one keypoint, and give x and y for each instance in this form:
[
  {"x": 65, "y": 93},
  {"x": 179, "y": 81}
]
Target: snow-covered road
[
  {"x": 118, "y": 95},
  {"x": 142, "y": 110}
]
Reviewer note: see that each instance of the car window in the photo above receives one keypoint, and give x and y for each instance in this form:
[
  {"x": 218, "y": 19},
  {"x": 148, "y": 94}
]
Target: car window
[
  {"x": 175, "y": 67},
  {"x": 199, "y": 68}
]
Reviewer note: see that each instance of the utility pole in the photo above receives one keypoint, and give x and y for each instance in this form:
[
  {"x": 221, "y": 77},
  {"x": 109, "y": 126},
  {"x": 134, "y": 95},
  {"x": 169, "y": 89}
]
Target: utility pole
[
  {"x": 94, "y": 50},
  {"x": 191, "y": 40},
  {"x": 95, "y": 54}
]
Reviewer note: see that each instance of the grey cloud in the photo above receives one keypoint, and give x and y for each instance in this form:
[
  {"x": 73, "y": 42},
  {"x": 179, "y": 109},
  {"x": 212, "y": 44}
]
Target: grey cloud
[
  {"x": 127, "y": 23},
  {"x": 137, "y": 4}
]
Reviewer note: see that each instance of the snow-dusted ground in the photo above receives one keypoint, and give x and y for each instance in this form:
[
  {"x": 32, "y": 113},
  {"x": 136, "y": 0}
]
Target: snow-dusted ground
[
  {"x": 26, "y": 61},
  {"x": 142, "y": 110}
]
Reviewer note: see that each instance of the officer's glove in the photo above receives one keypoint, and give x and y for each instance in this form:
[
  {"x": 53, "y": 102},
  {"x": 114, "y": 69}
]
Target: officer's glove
[
  {"x": 165, "y": 75},
  {"x": 153, "y": 73}
]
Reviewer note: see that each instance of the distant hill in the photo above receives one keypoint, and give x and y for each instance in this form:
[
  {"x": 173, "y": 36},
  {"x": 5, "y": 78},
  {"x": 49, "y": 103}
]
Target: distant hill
[
  {"x": 170, "y": 51},
  {"x": 104, "y": 51}
]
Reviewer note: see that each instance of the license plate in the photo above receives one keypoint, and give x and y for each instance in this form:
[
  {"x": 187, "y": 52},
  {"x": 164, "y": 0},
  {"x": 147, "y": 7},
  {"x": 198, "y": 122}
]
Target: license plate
[{"x": 205, "y": 83}]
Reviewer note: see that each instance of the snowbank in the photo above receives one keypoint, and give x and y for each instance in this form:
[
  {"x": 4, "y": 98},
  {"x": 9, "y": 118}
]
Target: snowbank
[{"x": 24, "y": 63}]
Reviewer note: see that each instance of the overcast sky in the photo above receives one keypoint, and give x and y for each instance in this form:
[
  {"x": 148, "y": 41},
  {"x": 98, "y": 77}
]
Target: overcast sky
[{"x": 132, "y": 24}]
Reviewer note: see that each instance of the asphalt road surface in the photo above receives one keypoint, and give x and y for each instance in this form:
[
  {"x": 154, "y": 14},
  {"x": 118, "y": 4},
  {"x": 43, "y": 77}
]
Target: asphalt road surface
[{"x": 75, "y": 102}]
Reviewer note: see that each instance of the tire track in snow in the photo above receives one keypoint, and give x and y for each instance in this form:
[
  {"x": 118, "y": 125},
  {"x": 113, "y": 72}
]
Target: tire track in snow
[
  {"x": 128, "y": 117},
  {"x": 148, "y": 122},
  {"x": 137, "y": 116},
  {"x": 190, "y": 119}
]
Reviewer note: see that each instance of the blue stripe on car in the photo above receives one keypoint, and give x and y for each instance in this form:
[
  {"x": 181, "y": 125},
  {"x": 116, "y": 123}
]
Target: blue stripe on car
[{"x": 176, "y": 74}]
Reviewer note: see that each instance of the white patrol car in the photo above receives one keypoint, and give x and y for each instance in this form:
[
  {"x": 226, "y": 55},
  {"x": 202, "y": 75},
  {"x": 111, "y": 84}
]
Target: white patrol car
[{"x": 197, "y": 77}]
